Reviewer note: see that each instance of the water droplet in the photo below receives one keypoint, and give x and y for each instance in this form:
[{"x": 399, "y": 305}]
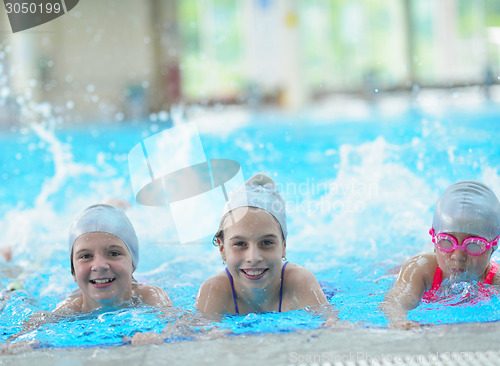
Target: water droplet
[{"x": 163, "y": 115}]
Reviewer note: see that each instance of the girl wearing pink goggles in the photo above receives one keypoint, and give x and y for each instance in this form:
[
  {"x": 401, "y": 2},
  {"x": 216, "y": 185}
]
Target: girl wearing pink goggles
[{"x": 465, "y": 232}]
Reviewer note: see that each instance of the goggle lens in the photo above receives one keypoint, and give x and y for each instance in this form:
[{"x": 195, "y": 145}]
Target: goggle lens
[
  {"x": 475, "y": 247},
  {"x": 445, "y": 244}
]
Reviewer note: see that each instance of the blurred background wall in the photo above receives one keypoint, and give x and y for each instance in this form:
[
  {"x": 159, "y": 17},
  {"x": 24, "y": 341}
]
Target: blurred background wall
[{"x": 125, "y": 59}]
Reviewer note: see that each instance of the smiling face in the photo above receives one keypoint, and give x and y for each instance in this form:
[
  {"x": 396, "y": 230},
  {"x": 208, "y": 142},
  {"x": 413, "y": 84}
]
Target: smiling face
[
  {"x": 253, "y": 247},
  {"x": 103, "y": 270},
  {"x": 458, "y": 262}
]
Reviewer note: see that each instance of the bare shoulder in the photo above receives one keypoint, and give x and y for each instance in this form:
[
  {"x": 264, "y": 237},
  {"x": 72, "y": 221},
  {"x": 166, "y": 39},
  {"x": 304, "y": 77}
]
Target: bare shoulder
[
  {"x": 301, "y": 288},
  {"x": 219, "y": 282},
  {"x": 151, "y": 295},
  {"x": 296, "y": 274},
  {"x": 215, "y": 295},
  {"x": 71, "y": 305},
  {"x": 420, "y": 267}
]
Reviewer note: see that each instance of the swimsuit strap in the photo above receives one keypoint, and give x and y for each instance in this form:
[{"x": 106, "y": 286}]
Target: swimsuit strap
[
  {"x": 438, "y": 279},
  {"x": 232, "y": 288},
  {"x": 493, "y": 271},
  {"x": 281, "y": 285},
  {"x": 430, "y": 294}
]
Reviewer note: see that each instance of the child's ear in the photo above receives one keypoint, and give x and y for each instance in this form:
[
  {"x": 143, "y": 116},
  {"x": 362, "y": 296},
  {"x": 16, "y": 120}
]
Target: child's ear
[
  {"x": 283, "y": 254},
  {"x": 221, "y": 249}
]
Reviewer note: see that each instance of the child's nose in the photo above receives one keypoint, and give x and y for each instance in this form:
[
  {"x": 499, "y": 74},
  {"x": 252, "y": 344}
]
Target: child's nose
[
  {"x": 459, "y": 254},
  {"x": 253, "y": 254},
  {"x": 99, "y": 263}
]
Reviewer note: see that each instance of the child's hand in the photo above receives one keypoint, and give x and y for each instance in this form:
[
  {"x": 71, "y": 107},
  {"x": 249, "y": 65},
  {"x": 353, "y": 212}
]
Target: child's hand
[
  {"x": 141, "y": 339},
  {"x": 405, "y": 325},
  {"x": 213, "y": 333},
  {"x": 331, "y": 322}
]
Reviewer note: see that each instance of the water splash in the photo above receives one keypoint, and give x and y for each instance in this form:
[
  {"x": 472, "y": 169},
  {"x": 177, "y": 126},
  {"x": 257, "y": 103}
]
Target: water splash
[{"x": 64, "y": 165}]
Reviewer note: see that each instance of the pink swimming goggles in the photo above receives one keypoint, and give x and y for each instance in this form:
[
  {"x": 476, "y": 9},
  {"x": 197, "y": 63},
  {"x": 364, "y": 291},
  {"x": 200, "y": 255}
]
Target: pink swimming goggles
[{"x": 472, "y": 245}]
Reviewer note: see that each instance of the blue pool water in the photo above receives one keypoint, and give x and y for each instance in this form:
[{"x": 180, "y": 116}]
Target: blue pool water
[{"x": 359, "y": 191}]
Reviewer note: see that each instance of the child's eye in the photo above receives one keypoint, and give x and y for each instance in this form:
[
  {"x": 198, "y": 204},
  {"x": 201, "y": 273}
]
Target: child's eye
[
  {"x": 239, "y": 244},
  {"x": 114, "y": 253},
  {"x": 267, "y": 242},
  {"x": 475, "y": 247},
  {"x": 84, "y": 256}
]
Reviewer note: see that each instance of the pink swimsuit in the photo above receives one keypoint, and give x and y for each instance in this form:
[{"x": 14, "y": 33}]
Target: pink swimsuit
[{"x": 430, "y": 295}]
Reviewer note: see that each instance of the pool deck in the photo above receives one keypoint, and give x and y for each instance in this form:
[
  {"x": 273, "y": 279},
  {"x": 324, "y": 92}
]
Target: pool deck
[{"x": 462, "y": 344}]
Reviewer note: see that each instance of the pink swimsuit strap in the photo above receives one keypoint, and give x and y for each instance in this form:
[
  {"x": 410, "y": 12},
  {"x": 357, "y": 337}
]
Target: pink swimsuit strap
[
  {"x": 491, "y": 274},
  {"x": 438, "y": 279}
]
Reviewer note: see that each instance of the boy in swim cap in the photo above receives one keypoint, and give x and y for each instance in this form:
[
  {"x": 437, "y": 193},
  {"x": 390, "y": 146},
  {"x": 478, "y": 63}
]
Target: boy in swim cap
[
  {"x": 104, "y": 253},
  {"x": 252, "y": 241},
  {"x": 465, "y": 232}
]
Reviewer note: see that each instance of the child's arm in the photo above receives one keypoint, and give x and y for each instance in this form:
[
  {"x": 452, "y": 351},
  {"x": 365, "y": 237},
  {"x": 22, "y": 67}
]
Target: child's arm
[{"x": 413, "y": 280}]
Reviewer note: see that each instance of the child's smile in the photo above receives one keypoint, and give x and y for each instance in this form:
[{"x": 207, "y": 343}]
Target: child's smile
[
  {"x": 102, "y": 282},
  {"x": 254, "y": 273}
]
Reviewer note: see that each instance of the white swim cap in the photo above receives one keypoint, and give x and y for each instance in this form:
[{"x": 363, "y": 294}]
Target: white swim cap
[
  {"x": 259, "y": 191},
  {"x": 468, "y": 207},
  {"x": 103, "y": 218}
]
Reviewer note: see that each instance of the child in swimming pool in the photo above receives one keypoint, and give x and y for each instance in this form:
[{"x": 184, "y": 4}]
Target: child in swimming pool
[
  {"x": 252, "y": 241},
  {"x": 465, "y": 232},
  {"x": 104, "y": 253}
]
